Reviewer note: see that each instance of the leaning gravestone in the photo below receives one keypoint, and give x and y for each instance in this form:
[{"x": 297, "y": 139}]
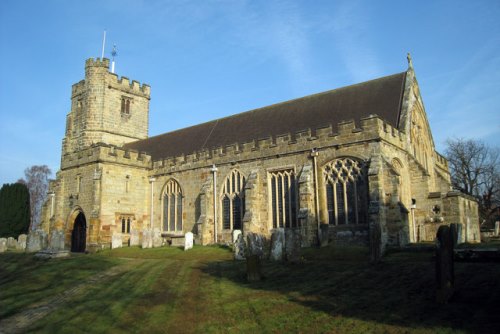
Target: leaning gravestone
[
  {"x": 116, "y": 240},
  {"x": 444, "y": 265},
  {"x": 239, "y": 248},
  {"x": 134, "y": 238},
  {"x": 188, "y": 241},
  {"x": 277, "y": 244},
  {"x": 157, "y": 239},
  {"x": 3, "y": 245},
  {"x": 147, "y": 238},
  {"x": 293, "y": 245},
  {"x": 11, "y": 243},
  {"x": 254, "y": 253},
  {"x": 21, "y": 242}
]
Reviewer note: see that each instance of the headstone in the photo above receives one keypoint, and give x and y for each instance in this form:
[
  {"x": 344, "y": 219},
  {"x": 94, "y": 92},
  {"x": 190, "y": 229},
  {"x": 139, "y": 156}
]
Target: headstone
[
  {"x": 188, "y": 241},
  {"x": 37, "y": 240},
  {"x": 375, "y": 242},
  {"x": 293, "y": 245},
  {"x": 11, "y": 243},
  {"x": 3, "y": 245},
  {"x": 236, "y": 234},
  {"x": 445, "y": 279},
  {"x": 459, "y": 233},
  {"x": 134, "y": 238},
  {"x": 254, "y": 253},
  {"x": 239, "y": 248},
  {"x": 116, "y": 240},
  {"x": 157, "y": 239},
  {"x": 147, "y": 238},
  {"x": 56, "y": 240},
  {"x": 497, "y": 228},
  {"x": 323, "y": 236},
  {"x": 454, "y": 234},
  {"x": 21, "y": 242},
  {"x": 277, "y": 244}
]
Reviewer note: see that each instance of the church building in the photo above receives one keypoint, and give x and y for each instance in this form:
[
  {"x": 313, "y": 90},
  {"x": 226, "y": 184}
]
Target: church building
[{"x": 332, "y": 165}]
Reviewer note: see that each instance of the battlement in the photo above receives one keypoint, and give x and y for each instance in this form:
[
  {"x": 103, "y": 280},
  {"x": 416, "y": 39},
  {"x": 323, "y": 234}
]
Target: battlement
[
  {"x": 347, "y": 133},
  {"x": 97, "y": 62},
  {"x": 124, "y": 83},
  {"x": 103, "y": 153}
]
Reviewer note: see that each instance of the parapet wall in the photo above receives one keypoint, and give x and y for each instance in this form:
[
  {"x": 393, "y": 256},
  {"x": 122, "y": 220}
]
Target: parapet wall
[{"x": 347, "y": 134}]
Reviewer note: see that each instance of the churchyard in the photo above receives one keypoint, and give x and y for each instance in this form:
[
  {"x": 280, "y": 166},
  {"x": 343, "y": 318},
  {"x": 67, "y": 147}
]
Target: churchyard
[{"x": 204, "y": 290}]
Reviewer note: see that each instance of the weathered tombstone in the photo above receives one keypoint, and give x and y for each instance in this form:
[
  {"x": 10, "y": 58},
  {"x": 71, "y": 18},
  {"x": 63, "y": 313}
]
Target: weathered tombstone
[
  {"x": 236, "y": 234},
  {"x": 21, "y": 242},
  {"x": 254, "y": 253},
  {"x": 323, "y": 236},
  {"x": 277, "y": 244},
  {"x": 293, "y": 245},
  {"x": 375, "y": 242},
  {"x": 11, "y": 243},
  {"x": 116, "y": 240},
  {"x": 3, "y": 245},
  {"x": 454, "y": 234},
  {"x": 147, "y": 238},
  {"x": 188, "y": 241},
  {"x": 56, "y": 240},
  {"x": 239, "y": 248},
  {"x": 497, "y": 228},
  {"x": 37, "y": 240},
  {"x": 134, "y": 238},
  {"x": 444, "y": 265},
  {"x": 157, "y": 239},
  {"x": 459, "y": 233}
]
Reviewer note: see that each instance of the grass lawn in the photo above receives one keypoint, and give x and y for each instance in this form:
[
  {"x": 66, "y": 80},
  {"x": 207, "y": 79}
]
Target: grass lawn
[{"x": 167, "y": 290}]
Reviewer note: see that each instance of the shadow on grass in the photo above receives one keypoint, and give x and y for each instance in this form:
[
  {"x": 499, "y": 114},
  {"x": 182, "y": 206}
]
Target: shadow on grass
[{"x": 398, "y": 292}]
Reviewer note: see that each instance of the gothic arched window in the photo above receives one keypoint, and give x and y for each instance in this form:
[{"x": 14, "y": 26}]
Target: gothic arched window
[
  {"x": 283, "y": 198},
  {"x": 346, "y": 191},
  {"x": 233, "y": 201},
  {"x": 172, "y": 207}
]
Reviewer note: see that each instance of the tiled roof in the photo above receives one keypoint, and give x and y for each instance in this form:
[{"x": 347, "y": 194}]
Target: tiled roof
[{"x": 380, "y": 96}]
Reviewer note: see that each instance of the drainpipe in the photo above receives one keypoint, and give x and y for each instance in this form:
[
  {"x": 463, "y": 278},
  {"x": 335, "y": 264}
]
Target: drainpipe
[
  {"x": 314, "y": 155},
  {"x": 214, "y": 171},
  {"x": 152, "y": 180}
]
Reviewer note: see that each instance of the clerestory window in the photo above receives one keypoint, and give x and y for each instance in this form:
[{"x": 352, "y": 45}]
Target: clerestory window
[
  {"x": 172, "y": 207},
  {"x": 346, "y": 191},
  {"x": 233, "y": 201},
  {"x": 283, "y": 189}
]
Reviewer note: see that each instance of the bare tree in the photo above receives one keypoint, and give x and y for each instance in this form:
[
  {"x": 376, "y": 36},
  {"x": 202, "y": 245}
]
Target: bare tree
[
  {"x": 474, "y": 171},
  {"x": 37, "y": 181}
]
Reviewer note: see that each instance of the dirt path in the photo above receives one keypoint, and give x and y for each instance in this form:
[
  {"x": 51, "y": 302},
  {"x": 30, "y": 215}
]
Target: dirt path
[{"x": 18, "y": 323}]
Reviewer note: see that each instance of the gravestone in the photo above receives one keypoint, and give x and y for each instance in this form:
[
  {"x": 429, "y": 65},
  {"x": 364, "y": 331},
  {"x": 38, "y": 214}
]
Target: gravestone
[
  {"x": 236, "y": 234},
  {"x": 293, "y": 245},
  {"x": 239, "y": 248},
  {"x": 56, "y": 240},
  {"x": 134, "y": 238},
  {"x": 454, "y": 234},
  {"x": 116, "y": 240},
  {"x": 37, "y": 240},
  {"x": 188, "y": 241},
  {"x": 3, "y": 245},
  {"x": 11, "y": 243},
  {"x": 254, "y": 253},
  {"x": 277, "y": 244},
  {"x": 147, "y": 238},
  {"x": 21, "y": 242},
  {"x": 323, "y": 235},
  {"x": 375, "y": 242},
  {"x": 157, "y": 239},
  {"x": 497, "y": 228},
  {"x": 445, "y": 278}
]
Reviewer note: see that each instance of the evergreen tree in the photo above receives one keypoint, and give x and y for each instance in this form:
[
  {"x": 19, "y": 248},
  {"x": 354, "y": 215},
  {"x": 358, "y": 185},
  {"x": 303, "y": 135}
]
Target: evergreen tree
[{"x": 14, "y": 210}]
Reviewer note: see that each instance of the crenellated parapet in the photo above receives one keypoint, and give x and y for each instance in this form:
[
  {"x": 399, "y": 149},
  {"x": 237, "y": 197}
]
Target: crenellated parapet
[
  {"x": 102, "y": 153},
  {"x": 132, "y": 87},
  {"x": 346, "y": 133}
]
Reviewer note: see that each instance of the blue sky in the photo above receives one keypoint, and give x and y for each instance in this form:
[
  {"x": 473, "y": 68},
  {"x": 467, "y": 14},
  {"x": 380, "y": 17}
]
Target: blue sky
[{"x": 209, "y": 59}]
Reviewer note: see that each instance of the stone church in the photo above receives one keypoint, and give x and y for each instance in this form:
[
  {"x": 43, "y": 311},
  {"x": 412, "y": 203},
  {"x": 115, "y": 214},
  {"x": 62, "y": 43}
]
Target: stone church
[{"x": 331, "y": 165}]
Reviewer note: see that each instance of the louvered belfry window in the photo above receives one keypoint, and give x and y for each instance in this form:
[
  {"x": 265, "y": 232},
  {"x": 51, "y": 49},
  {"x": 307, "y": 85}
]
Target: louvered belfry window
[
  {"x": 346, "y": 191},
  {"x": 172, "y": 207},
  {"x": 233, "y": 201}
]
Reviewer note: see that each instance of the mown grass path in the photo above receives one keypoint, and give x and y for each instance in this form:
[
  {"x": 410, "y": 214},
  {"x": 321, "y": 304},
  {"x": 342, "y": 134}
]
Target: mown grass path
[{"x": 166, "y": 290}]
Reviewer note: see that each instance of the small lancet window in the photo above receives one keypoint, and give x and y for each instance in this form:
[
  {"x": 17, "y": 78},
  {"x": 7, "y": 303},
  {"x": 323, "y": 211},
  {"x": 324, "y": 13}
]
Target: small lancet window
[{"x": 125, "y": 106}]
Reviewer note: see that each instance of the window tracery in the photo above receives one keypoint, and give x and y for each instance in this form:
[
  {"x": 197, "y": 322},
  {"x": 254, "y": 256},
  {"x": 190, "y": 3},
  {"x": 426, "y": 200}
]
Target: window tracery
[
  {"x": 284, "y": 199},
  {"x": 172, "y": 207},
  {"x": 233, "y": 201}
]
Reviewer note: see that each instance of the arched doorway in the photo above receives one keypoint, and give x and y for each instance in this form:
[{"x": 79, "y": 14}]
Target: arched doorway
[{"x": 79, "y": 234}]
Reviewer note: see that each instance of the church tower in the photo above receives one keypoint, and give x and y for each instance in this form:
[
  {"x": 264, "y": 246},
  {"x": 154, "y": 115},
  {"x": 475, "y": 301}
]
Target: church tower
[{"x": 105, "y": 109}]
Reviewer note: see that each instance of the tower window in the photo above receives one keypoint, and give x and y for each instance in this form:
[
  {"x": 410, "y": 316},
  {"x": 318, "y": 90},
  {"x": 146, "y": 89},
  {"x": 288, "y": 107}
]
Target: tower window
[{"x": 125, "y": 109}]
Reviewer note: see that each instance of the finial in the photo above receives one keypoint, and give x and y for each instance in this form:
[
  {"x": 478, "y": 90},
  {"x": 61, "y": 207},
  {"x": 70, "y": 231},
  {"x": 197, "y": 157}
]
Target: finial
[{"x": 410, "y": 62}]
